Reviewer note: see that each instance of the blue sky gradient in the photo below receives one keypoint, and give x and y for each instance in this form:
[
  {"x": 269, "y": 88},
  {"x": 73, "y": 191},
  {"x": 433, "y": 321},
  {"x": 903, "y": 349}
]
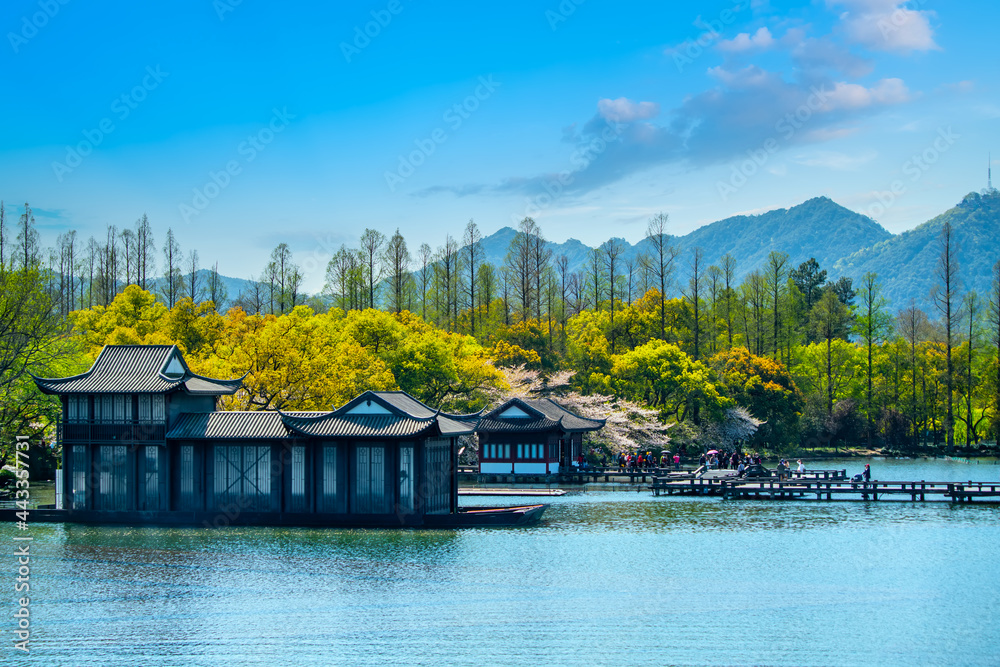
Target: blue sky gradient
[{"x": 242, "y": 124}]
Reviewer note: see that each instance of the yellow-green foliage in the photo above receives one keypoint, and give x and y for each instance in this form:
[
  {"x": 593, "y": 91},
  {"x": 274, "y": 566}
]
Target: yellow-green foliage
[{"x": 302, "y": 360}]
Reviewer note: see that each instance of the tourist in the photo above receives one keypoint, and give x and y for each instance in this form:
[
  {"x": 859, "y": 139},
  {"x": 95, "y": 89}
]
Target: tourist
[
  {"x": 677, "y": 461},
  {"x": 741, "y": 470},
  {"x": 802, "y": 467},
  {"x": 781, "y": 470}
]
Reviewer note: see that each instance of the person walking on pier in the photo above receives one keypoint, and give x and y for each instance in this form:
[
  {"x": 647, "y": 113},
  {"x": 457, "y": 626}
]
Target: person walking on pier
[
  {"x": 802, "y": 467},
  {"x": 866, "y": 477}
]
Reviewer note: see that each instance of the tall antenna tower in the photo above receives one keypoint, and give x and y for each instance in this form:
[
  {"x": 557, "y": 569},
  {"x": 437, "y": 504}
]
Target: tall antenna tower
[{"x": 989, "y": 172}]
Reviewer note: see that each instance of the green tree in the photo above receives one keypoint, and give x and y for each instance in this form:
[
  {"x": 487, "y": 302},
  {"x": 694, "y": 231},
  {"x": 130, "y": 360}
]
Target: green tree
[
  {"x": 829, "y": 320},
  {"x": 765, "y": 388},
  {"x": 660, "y": 375},
  {"x": 873, "y": 325},
  {"x": 809, "y": 278}
]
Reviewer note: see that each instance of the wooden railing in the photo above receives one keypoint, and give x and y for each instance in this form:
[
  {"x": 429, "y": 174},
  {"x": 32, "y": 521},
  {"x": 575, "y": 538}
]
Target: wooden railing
[
  {"x": 112, "y": 431},
  {"x": 828, "y": 489}
]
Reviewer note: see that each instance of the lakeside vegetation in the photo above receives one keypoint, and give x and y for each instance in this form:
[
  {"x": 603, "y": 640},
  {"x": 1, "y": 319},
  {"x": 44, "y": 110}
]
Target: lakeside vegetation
[{"x": 822, "y": 363}]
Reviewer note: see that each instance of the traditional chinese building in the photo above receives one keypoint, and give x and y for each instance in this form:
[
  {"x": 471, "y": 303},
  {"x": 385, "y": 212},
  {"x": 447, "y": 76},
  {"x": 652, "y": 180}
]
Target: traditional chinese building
[
  {"x": 531, "y": 435},
  {"x": 143, "y": 442}
]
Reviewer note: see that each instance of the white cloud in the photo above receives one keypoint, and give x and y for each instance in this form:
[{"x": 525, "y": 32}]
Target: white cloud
[
  {"x": 624, "y": 110},
  {"x": 821, "y": 54},
  {"x": 743, "y": 42},
  {"x": 886, "y": 25},
  {"x": 750, "y": 76},
  {"x": 856, "y": 96}
]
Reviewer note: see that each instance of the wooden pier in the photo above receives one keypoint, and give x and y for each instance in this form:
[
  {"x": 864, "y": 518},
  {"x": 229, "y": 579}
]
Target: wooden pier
[
  {"x": 615, "y": 475},
  {"x": 804, "y": 488},
  {"x": 572, "y": 477}
]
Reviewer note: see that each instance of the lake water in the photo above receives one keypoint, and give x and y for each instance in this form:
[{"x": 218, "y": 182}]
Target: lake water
[{"x": 608, "y": 578}]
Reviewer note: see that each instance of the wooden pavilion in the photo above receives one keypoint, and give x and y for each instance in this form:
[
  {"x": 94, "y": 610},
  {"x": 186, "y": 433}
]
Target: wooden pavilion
[
  {"x": 531, "y": 435},
  {"x": 143, "y": 443}
]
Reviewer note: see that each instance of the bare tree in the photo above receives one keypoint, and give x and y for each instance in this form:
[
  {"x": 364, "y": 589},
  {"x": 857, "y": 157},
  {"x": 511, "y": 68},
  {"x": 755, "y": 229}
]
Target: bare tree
[
  {"x": 397, "y": 261},
  {"x": 944, "y": 295},
  {"x": 472, "y": 241},
  {"x": 776, "y": 276},
  {"x": 172, "y": 277},
  {"x": 595, "y": 276},
  {"x": 251, "y": 297},
  {"x": 193, "y": 281},
  {"x": 449, "y": 269},
  {"x": 662, "y": 260},
  {"x": 426, "y": 260},
  {"x": 693, "y": 296},
  {"x": 3, "y": 237},
  {"x": 972, "y": 307},
  {"x": 144, "y": 249},
  {"x": 520, "y": 265},
  {"x": 128, "y": 252},
  {"x": 541, "y": 255},
  {"x": 632, "y": 268},
  {"x": 217, "y": 292},
  {"x": 487, "y": 285},
  {"x": 371, "y": 247},
  {"x": 612, "y": 250},
  {"x": 911, "y": 324},
  {"x": 873, "y": 325},
  {"x": 713, "y": 280},
  {"x": 27, "y": 239},
  {"x": 729, "y": 279},
  {"x": 562, "y": 266}
]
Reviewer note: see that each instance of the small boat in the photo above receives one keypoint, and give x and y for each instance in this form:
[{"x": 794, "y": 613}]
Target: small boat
[
  {"x": 477, "y": 517},
  {"x": 469, "y": 517}
]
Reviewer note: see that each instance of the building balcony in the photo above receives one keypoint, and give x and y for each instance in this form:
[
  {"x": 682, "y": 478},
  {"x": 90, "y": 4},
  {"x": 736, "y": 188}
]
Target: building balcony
[{"x": 110, "y": 431}]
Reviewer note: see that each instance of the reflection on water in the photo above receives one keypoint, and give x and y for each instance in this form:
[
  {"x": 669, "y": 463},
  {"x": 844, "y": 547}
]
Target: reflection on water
[{"x": 609, "y": 577}]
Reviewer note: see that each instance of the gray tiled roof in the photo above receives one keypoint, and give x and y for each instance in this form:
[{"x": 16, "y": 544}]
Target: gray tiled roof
[
  {"x": 544, "y": 415},
  {"x": 136, "y": 369},
  {"x": 404, "y": 417},
  {"x": 231, "y": 425},
  {"x": 359, "y": 426},
  {"x": 405, "y": 403}
]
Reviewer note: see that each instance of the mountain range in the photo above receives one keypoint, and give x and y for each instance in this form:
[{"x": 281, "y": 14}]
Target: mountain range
[{"x": 843, "y": 242}]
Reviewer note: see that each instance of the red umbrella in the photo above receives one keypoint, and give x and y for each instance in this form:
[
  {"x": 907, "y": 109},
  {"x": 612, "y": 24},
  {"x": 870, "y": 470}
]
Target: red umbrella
[{"x": 712, "y": 451}]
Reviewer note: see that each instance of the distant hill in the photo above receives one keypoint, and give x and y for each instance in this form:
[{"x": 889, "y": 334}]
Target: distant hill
[
  {"x": 495, "y": 249},
  {"x": 844, "y": 243},
  {"x": 906, "y": 263},
  {"x": 233, "y": 286},
  {"x": 817, "y": 228}
]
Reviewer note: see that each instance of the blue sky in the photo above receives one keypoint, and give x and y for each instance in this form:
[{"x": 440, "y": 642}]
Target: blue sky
[{"x": 240, "y": 124}]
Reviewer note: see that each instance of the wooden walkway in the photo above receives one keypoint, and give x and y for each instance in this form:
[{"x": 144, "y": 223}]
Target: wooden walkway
[
  {"x": 617, "y": 475},
  {"x": 731, "y": 488}
]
